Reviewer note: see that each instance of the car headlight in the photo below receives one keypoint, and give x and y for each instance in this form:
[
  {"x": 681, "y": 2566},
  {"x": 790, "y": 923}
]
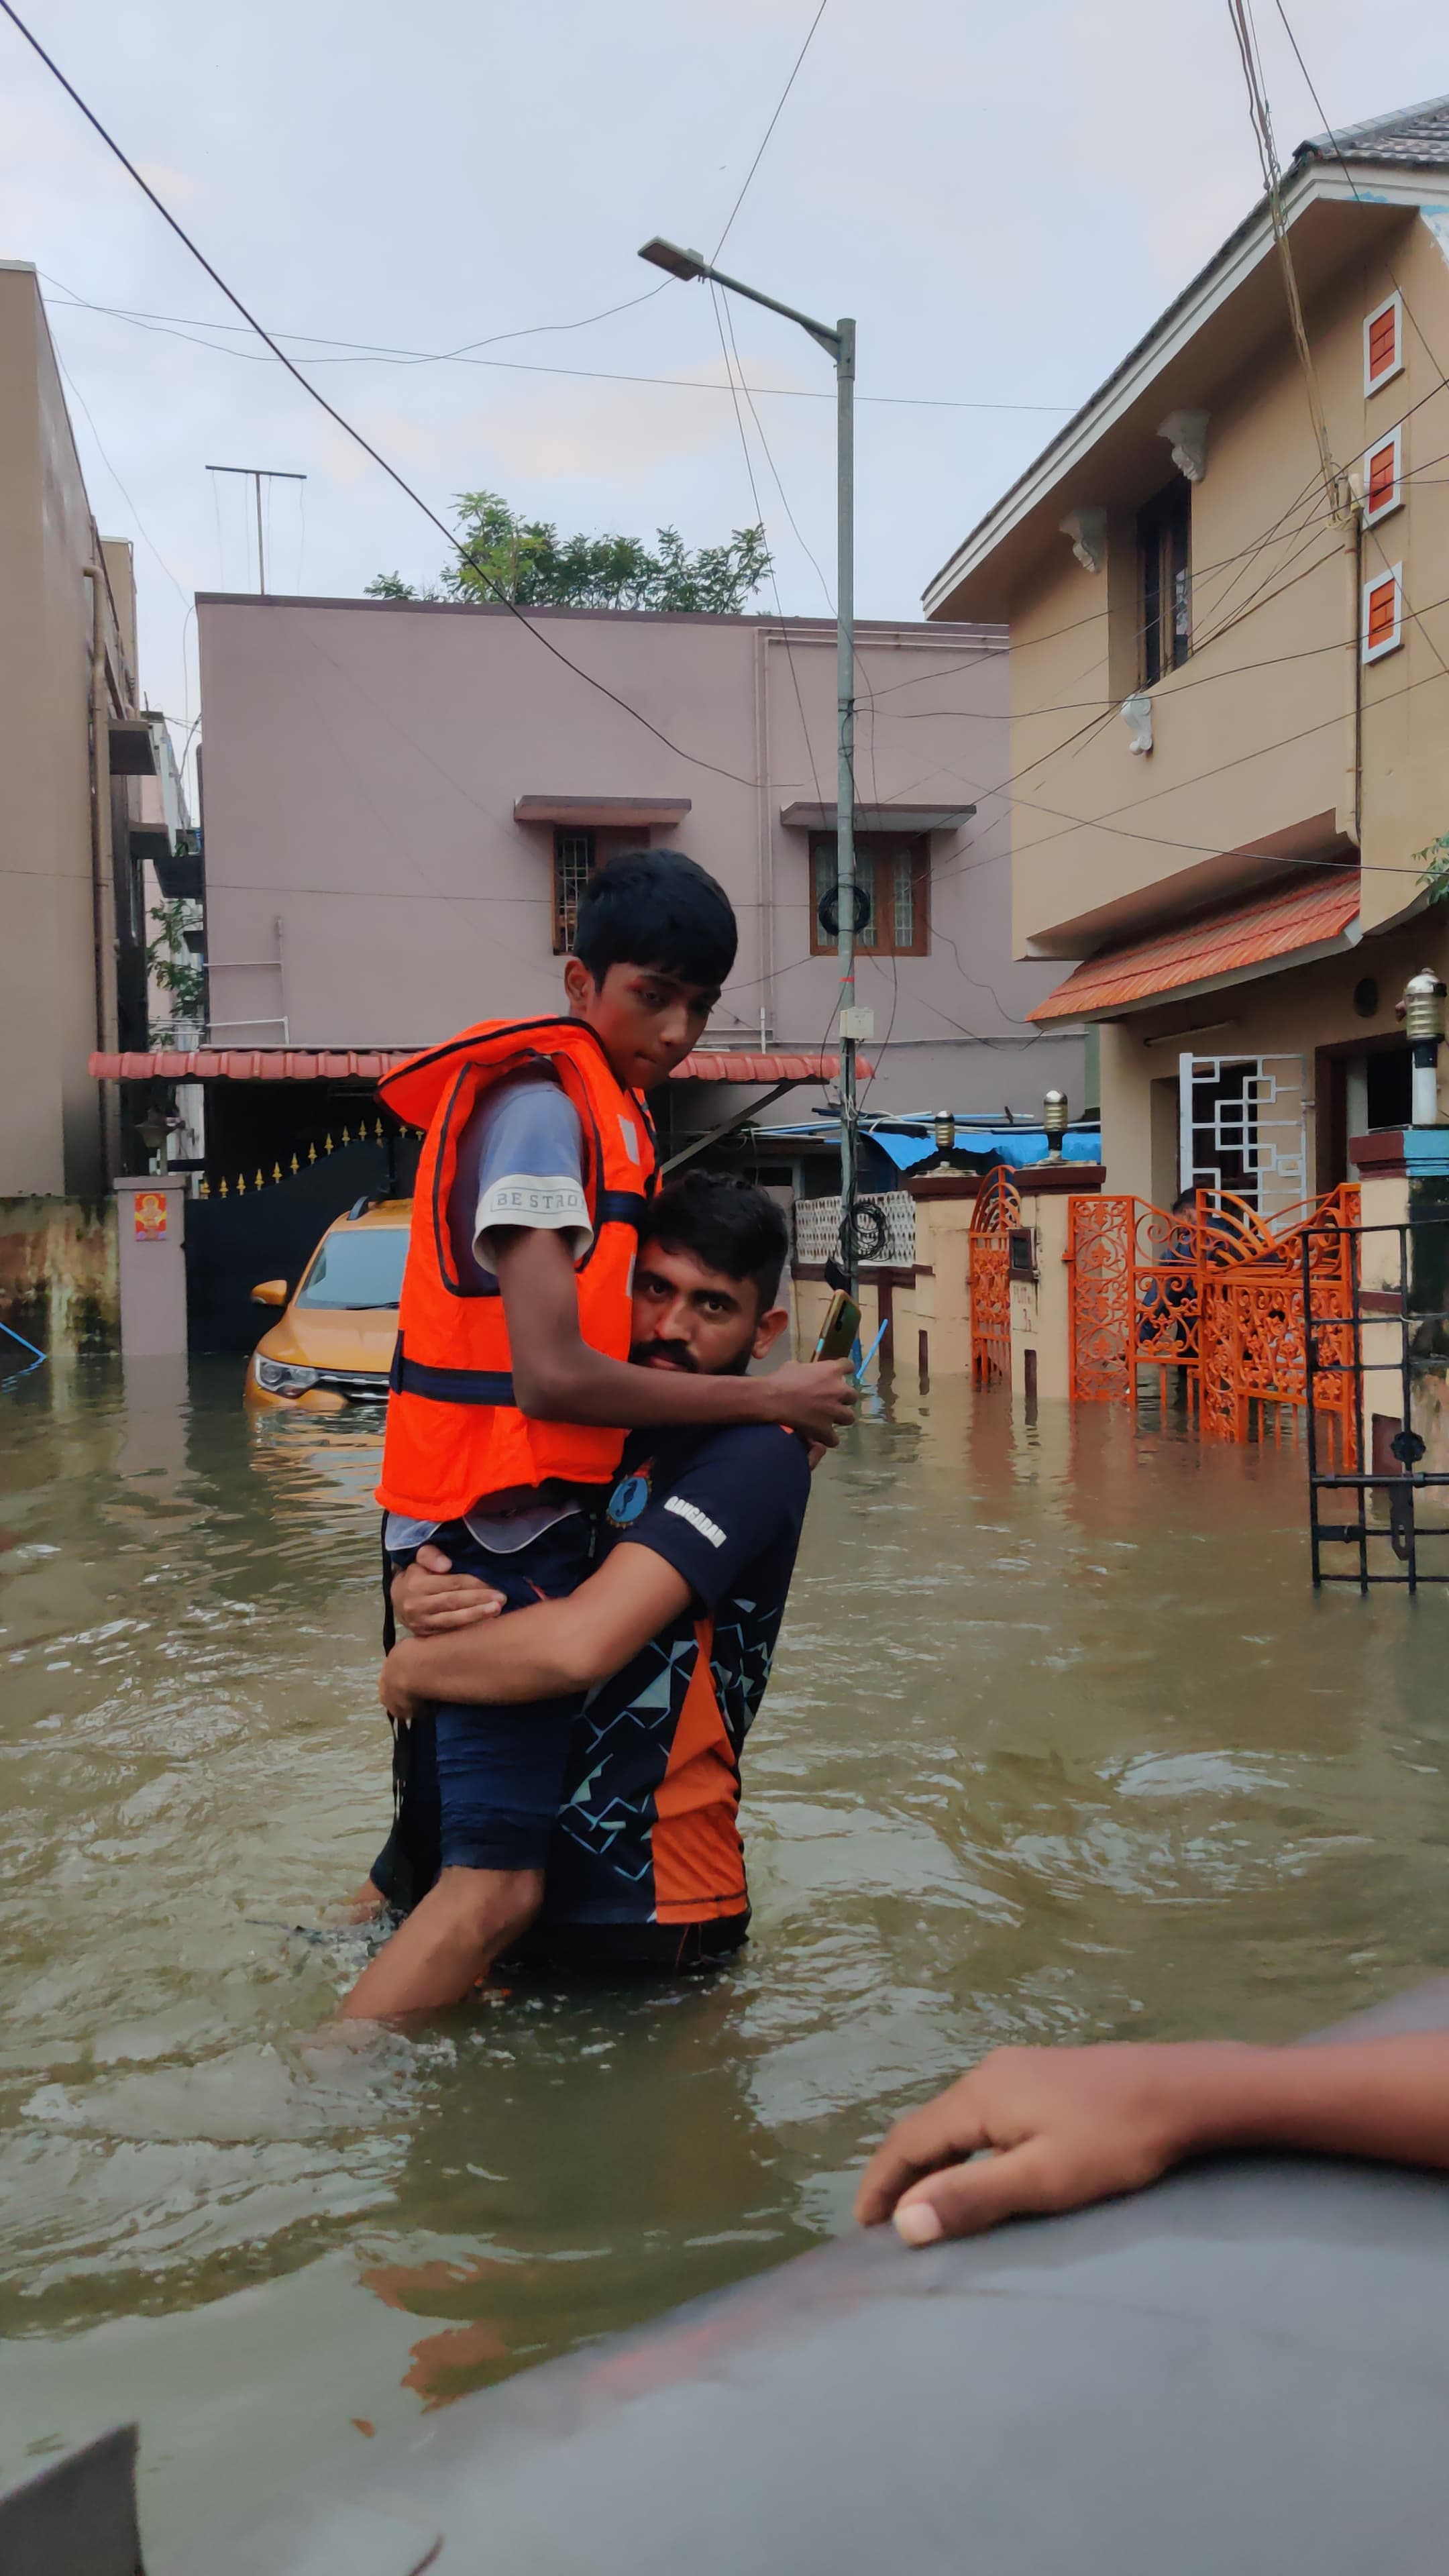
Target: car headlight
[{"x": 280, "y": 1379}]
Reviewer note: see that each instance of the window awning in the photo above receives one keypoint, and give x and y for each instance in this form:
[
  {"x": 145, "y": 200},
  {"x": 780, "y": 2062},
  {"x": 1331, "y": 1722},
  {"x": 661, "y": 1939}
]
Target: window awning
[
  {"x": 352, "y": 1064},
  {"x": 1290, "y": 926},
  {"x": 878, "y": 818},
  {"x": 604, "y": 813}
]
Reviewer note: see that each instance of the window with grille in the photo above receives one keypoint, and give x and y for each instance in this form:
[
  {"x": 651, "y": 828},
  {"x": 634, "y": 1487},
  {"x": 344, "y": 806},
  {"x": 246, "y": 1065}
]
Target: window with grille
[
  {"x": 1383, "y": 344},
  {"x": 1382, "y": 490},
  {"x": 1164, "y": 547},
  {"x": 893, "y": 874},
  {"x": 573, "y": 865},
  {"x": 1382, "y": 613}
]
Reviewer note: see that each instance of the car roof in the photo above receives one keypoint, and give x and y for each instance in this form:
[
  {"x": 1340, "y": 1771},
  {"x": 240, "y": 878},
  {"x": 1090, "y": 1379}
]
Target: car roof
[{"x": 390, "y": 1213}]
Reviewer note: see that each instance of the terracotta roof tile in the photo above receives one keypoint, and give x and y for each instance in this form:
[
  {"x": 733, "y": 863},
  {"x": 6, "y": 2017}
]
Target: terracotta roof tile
[
  {"x": 1232, "y": 939},
  {"x": 342, "y": 1064}
]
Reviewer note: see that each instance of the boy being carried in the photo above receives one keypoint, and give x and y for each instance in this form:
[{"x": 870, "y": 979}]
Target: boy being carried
[{"x": 511, "y": 1388}]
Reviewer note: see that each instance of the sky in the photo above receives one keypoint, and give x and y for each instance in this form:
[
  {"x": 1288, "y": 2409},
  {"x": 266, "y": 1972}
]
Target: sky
[{"x": 1003, "y": 198}]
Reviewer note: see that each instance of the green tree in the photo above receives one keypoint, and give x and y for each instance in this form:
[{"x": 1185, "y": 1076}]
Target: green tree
[
  {"x": 170, "y": 963},
  {"x": 527, "y": 561}
]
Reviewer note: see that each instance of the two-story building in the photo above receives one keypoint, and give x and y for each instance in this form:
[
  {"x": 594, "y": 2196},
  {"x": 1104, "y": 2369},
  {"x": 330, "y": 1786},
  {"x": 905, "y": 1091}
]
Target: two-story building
[
  {"x": 90, "y": 813},
  {"x": 1226, "y": 584},
  {"x": 403, "y": 801}
]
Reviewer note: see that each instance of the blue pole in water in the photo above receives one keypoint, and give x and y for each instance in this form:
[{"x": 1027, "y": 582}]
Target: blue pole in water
[
  {"x": 37, "y": 1358},
  {"x": 870, "y": 1354}
]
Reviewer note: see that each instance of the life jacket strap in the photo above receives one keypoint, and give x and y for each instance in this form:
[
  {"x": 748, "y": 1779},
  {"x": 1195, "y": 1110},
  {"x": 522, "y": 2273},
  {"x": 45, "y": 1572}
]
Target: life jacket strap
[
  {"x": 449, "y": 1385},
  {"x": 622, "y": 1207}
]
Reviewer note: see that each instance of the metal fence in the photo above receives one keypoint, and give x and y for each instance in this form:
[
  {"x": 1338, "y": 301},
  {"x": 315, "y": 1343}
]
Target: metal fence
[
  {"x": 1385, "y": 1344},
  {"x": 817, "y": 1231}
]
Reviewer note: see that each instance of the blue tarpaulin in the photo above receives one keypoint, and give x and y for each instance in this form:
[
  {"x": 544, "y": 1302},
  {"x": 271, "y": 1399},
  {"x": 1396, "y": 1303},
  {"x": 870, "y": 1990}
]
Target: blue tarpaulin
[{"x": 1015, "y": 1146}]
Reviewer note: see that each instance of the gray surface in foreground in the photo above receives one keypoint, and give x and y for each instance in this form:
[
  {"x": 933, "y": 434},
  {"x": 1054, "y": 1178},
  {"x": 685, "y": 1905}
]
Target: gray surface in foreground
[{"x": 1245, "y": 2369}]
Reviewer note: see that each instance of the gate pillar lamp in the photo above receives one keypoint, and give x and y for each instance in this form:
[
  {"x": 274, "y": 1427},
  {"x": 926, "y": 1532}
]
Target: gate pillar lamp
[
  {"x": 1054, "y": 1120},
  {"x": 943, "y": 1129},
  {"x": 1422, "y": 1012}
]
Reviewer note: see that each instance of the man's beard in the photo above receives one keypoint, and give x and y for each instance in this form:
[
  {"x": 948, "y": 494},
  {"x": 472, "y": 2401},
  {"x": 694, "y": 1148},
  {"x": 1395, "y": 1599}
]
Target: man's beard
[{"x": 681, "y": 1357}]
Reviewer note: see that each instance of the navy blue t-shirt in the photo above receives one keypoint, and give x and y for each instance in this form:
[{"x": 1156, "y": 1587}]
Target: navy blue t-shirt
[{"x": 647, "y": 1829}]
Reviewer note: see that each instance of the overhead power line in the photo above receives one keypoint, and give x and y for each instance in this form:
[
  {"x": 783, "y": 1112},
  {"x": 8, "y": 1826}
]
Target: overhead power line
[
  {"x": 378, "y": 353},
  {"x": 769, "y": 130},
  {"x": 349, "y": 429}
]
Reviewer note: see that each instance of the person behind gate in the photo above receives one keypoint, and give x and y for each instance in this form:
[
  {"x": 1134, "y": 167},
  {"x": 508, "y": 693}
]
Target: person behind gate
[{"x": 511, "y": 1389}]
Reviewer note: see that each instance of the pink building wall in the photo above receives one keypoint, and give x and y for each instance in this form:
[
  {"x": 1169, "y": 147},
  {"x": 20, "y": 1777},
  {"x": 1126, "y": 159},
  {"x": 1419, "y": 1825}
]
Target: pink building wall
[{"x": 367, "y": 884}]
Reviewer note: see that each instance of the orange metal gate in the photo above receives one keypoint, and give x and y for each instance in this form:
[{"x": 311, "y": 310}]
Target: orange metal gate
[
  {"x": 997, "y": 1211},
  {"x": 1218, "y": 1294}
]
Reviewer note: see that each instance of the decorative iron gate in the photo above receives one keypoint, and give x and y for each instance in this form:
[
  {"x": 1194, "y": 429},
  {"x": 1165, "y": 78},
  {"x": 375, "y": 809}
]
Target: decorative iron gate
[
  {"x": 997, "y": 1212},
  {"x": 1213, "y": 1292}
]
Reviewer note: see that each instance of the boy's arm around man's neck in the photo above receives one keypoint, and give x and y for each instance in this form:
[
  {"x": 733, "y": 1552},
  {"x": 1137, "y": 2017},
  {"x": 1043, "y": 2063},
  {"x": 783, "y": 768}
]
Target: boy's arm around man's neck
[{"x": 559, "y": 1377}]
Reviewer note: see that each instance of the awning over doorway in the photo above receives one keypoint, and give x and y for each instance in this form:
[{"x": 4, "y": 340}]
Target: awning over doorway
[
  {"x": 1289, "y": 925},
  {"x": 343, "y": 1064},
  {"x": 601, "y": 813}
]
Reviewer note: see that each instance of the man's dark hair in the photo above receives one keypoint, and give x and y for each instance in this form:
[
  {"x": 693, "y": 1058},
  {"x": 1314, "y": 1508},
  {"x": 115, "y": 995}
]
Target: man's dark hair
[
  {"x": 729, "y": 1225},
  {"x": 656, "y": 908}
]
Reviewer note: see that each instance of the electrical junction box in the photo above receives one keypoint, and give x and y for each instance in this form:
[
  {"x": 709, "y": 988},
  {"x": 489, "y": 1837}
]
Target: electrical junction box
[{"x": 1021, "y": 1252}]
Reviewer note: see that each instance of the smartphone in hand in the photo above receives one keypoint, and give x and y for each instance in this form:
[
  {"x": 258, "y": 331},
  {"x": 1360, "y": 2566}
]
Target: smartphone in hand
[{"x": 839, "y": 1330}]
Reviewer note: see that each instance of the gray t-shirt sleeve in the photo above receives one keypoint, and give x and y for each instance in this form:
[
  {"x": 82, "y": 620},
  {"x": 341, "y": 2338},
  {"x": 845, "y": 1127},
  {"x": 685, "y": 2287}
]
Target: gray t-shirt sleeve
[{"x": 520, "y": 1163}]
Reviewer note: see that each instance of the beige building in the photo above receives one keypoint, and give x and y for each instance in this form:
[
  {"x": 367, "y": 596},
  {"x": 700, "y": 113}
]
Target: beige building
[
  {"x": 1226, "y": 584},
  {"x": 88, "y": 801},
  {"x": 403, "y": 801}
]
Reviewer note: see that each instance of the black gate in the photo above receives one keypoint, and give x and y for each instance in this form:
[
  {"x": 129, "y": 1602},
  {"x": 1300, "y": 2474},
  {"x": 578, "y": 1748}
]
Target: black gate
[
  {"x": 1394, "y": 1344},
  {"x": 271, "y": 1233}
]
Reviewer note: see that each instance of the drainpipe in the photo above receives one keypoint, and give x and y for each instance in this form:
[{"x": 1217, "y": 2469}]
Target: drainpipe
[
  {"x": 1353, "y": 552},
  {"x": 103, "y": 878}
]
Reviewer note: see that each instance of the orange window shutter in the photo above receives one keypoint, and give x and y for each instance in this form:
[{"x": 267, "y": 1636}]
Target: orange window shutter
[
  {"x": 1381, "y": 612},
  {"x": 1383, "y": 342},
  {"x": 1382, "y": 480}
]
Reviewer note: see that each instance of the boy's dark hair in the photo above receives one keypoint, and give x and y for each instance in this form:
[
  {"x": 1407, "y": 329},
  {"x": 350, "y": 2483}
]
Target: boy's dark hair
[
  {"x": 729, "y": 1225},
  {"x": 656, "y": 908}
]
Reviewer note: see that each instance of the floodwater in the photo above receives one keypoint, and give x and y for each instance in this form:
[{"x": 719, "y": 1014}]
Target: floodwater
[{"x": 1060, "y": 1745}]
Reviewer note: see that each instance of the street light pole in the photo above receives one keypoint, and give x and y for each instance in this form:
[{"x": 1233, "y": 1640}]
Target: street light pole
[{"x": 839, "y": 345}]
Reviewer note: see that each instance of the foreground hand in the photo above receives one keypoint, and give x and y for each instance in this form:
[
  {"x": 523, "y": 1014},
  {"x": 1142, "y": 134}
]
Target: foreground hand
[
  {"x": 429, "y": 1598},
  {"x": 816, "y": 1397},
  {"x": 1065, "y": 2126},
  {"x": 400, "y": 1702}
]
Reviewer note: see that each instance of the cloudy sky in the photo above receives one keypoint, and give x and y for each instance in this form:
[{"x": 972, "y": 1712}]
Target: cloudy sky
[{"x": 1003, "y": 197}]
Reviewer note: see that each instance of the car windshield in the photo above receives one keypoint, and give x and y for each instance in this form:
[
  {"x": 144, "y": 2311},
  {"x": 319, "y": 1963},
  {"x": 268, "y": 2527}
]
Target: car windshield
[{"x": 354, "y": 1271}]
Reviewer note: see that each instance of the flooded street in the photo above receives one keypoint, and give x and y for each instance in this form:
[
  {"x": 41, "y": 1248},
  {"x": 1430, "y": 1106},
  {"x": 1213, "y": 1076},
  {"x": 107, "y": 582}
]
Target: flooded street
[{"x": 1060, "y": 1744}]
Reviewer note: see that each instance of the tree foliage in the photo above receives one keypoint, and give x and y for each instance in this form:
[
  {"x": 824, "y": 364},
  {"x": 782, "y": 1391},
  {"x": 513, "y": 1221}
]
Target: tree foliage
[
  {"x": 526, "y": 560},
  {"x": 170, "y": 963},
  {"x": 1434, "y": 869}
]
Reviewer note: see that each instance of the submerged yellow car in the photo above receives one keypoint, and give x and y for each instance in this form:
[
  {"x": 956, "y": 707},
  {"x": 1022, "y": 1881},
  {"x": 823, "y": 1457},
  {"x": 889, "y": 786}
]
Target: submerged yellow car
[{"x": 332, "y": 1345}]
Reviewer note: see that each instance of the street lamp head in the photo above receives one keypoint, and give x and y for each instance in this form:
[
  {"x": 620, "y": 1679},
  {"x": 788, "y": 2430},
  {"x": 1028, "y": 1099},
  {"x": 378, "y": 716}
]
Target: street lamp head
[{"x": 687, "y": 264}]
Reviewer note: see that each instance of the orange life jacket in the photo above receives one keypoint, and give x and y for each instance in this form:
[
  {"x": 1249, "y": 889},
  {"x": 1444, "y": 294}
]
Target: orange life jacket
[{"x": 454, "y": 1431}]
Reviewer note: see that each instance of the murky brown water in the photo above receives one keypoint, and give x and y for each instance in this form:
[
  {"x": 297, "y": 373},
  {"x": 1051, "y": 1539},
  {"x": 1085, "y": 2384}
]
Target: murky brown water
[{"x": 1059, "y": 1743}]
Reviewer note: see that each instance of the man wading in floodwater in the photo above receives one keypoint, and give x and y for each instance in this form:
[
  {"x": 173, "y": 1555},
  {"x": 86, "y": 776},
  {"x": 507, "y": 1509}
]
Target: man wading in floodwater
[
  {"x": 510, "y": 1389},
  {"x": 671, "y": 1636}
]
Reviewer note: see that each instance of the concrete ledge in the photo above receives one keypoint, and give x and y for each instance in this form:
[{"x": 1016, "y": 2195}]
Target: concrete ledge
[
  {"x": 1400, "y": 1153},
  {"x": 1035, "y": 1180}
]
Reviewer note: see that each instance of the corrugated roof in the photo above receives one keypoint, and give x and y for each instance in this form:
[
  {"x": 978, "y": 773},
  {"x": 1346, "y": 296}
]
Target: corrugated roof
[
  {"x": 349, "y": 1064},
  {"x": 1308, "y": 915},
  {"x": 1416, "y": 137}
]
